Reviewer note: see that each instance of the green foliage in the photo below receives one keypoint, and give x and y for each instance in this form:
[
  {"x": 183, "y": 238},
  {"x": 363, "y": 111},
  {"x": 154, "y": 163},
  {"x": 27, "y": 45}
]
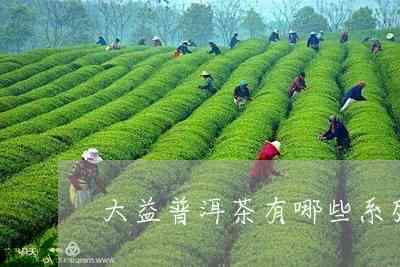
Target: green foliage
[
  {"x": 253, "y": 23},
  {"x": 362, "y": 19},
  {"x": 369, "y": 122},
  {"x": 207, "y": 241},
  {"x": 197, "y": 23},
  {"x": 307, "y": 20},
  {"x": 24, "y": 73}
]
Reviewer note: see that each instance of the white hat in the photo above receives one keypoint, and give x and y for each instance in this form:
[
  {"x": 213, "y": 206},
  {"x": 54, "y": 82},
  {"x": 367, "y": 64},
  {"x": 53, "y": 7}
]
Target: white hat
[
  {"x": 389, "y": 36},
  {"x": 92, "y": 155},
  {"x": 277, "y": 145},
  {"x": 276, "y": 30},
  {"x": 205, "y": 73},
  {"x": 312, "y": 33},
  {"x": 156, "y": 38}
]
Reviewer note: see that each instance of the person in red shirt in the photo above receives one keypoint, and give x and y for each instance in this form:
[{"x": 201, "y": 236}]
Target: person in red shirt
[
  {"x": 298, "y": 85},
  {"x": 263, "y": 168}
]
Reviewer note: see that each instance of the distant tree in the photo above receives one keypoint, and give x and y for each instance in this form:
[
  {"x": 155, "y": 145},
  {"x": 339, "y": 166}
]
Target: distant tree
[
  {"x": 166, "y": 20},
  {"x": 362, "y": 19},
  {"x": 64, "y": 22},
  {"x": 307, "y": 20},
  {"x": 117, "y": 14},
  {"x": 284, "y": 13},
  {"x": 198, "y": 23},
  {"x": 228, "y": 15},
  {"x": 253, "y": 23},
  {"x": 388, "y": 13},
  {"x": 335, "y": 11},
  {"x": 17, "y": 28}
]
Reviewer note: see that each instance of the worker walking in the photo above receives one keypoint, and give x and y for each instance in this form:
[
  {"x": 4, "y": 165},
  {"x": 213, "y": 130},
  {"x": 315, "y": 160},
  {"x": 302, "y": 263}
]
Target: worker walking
[
  {"x": 274, "y": 37},
  {"x": 263, "y": 168},
  {"x": 234, "y": 41},
  {"x": 241, "y": 95},
  {"x": 337, "y": 130},
  {"x": 298, "y": 85},
  {"x": 208, "y": 83},
  {"x": 313, "y": 41},
  {"x": 293, "y": 37},
  {"x": 353, "y": 95},
  {"x": 344, "y": 37},
  {"x": 214, "y": 49}
]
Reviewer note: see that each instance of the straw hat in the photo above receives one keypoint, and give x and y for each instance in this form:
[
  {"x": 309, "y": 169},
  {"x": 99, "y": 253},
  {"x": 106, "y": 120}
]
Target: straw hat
[
  {"x": 156, "y": 38},
  {"x": 313, "y": 33},
  {"x": 205, "y": 73},
  {"x": 92, "y": 155},
  {"x": 389, "y": 36},
  {"x": 277, "y": 145},
  {"x": 291, "y": 31},
  {"x": 243, "y": 83}
]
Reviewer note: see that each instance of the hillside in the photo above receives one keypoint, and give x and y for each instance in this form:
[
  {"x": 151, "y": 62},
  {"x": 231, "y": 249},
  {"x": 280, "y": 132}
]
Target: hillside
[{"x": 141, "y": 103}]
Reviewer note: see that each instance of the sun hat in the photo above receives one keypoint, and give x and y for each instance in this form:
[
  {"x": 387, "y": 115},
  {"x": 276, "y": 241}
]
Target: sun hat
[
  {"x": 156, "y": 38},
  {"x": 389, "y": 36},
  {"x": 363, "y": 83},
  {"x": 243, "y": 83},
  {"x": 205, "y": 73},
  {"x": 92, "y": 155},
  {"x": 313, "y": 33},
  {"x": 277, "y": 145}
]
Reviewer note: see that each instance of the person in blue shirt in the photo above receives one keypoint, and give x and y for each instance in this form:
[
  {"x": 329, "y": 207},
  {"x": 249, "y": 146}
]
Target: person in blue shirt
[
  {"x": 234, "y": 41},
  {"x": 184, "y": 48},
  {"x": 337, "y": 130},
  {"x": 313, "y": 41},
  {"x": 274, "y": 37},
  {"x": 214, "y": 49},
  {"x": 101, "y": 41},
  {"x": 353, "y": 95}
]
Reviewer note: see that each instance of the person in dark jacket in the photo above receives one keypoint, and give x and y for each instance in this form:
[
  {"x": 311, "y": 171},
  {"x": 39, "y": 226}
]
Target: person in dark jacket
[
  {"x": 344, "y": 37},
  {"x": 214, "y": 49},
  {"x": 263, "y": 167},
  {"x": 313, "y": 41},
  {"x": 234, "y": 41},
  {"x": 298, "y": 85},
  {"x": 208, "y": 82},
  {"x": 241, "y": 94},
  {"x": 337, "y": 130},
  {"x": 376, "y": 47},
  {"x": 184, "y": 48},
  {"x": 353, "y": 95},
  {"x": 142, "y": 41},
  {"x": 293, "y": 37},
  {"x": 101, "y": 41},
  {"x": 274, "y": 37}
]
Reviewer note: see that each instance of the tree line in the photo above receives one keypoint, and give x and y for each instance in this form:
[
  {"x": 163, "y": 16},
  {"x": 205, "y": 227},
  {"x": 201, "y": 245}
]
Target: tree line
[{"x": 55, "y": 23}]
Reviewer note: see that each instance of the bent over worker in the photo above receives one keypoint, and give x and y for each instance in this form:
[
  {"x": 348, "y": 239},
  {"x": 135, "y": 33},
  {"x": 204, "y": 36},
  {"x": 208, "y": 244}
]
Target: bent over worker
[
  {"x": 263, "y": 168},
  {"x": 241, "y": 94},
  {"x": 353, "y": 95},
  {"x": 337, "y": 130},
  {"x": 209, "y": 82},
  {"x": 298, "y": 85},
  {"x": 214, "y": 49}
]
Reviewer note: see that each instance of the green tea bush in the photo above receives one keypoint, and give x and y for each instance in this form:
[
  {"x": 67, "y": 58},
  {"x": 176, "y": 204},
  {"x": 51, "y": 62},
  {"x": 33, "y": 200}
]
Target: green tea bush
[
  {"x": 201, "y": 240},
  {"x": 8, "y": 66},
  {"x": 374, "y": 138},
  {"x": 369, "y": 122},
  {"x": 24, "y": 73}
]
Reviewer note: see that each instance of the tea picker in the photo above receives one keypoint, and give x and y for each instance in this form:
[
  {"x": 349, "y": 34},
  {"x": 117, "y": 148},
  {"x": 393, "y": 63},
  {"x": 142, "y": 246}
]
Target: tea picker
[
  {"x": 313, "y": 41},
  {"x": 263, "y": 167},
  {"x": 214, "y": 49},
  {"x": 353, "y": 95},
  {"x": 241, "y": 94},
  {"x": 337, "y": 130},
  {"x": 208, "y": 82},
  {"x": 298, "y": 85}
]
